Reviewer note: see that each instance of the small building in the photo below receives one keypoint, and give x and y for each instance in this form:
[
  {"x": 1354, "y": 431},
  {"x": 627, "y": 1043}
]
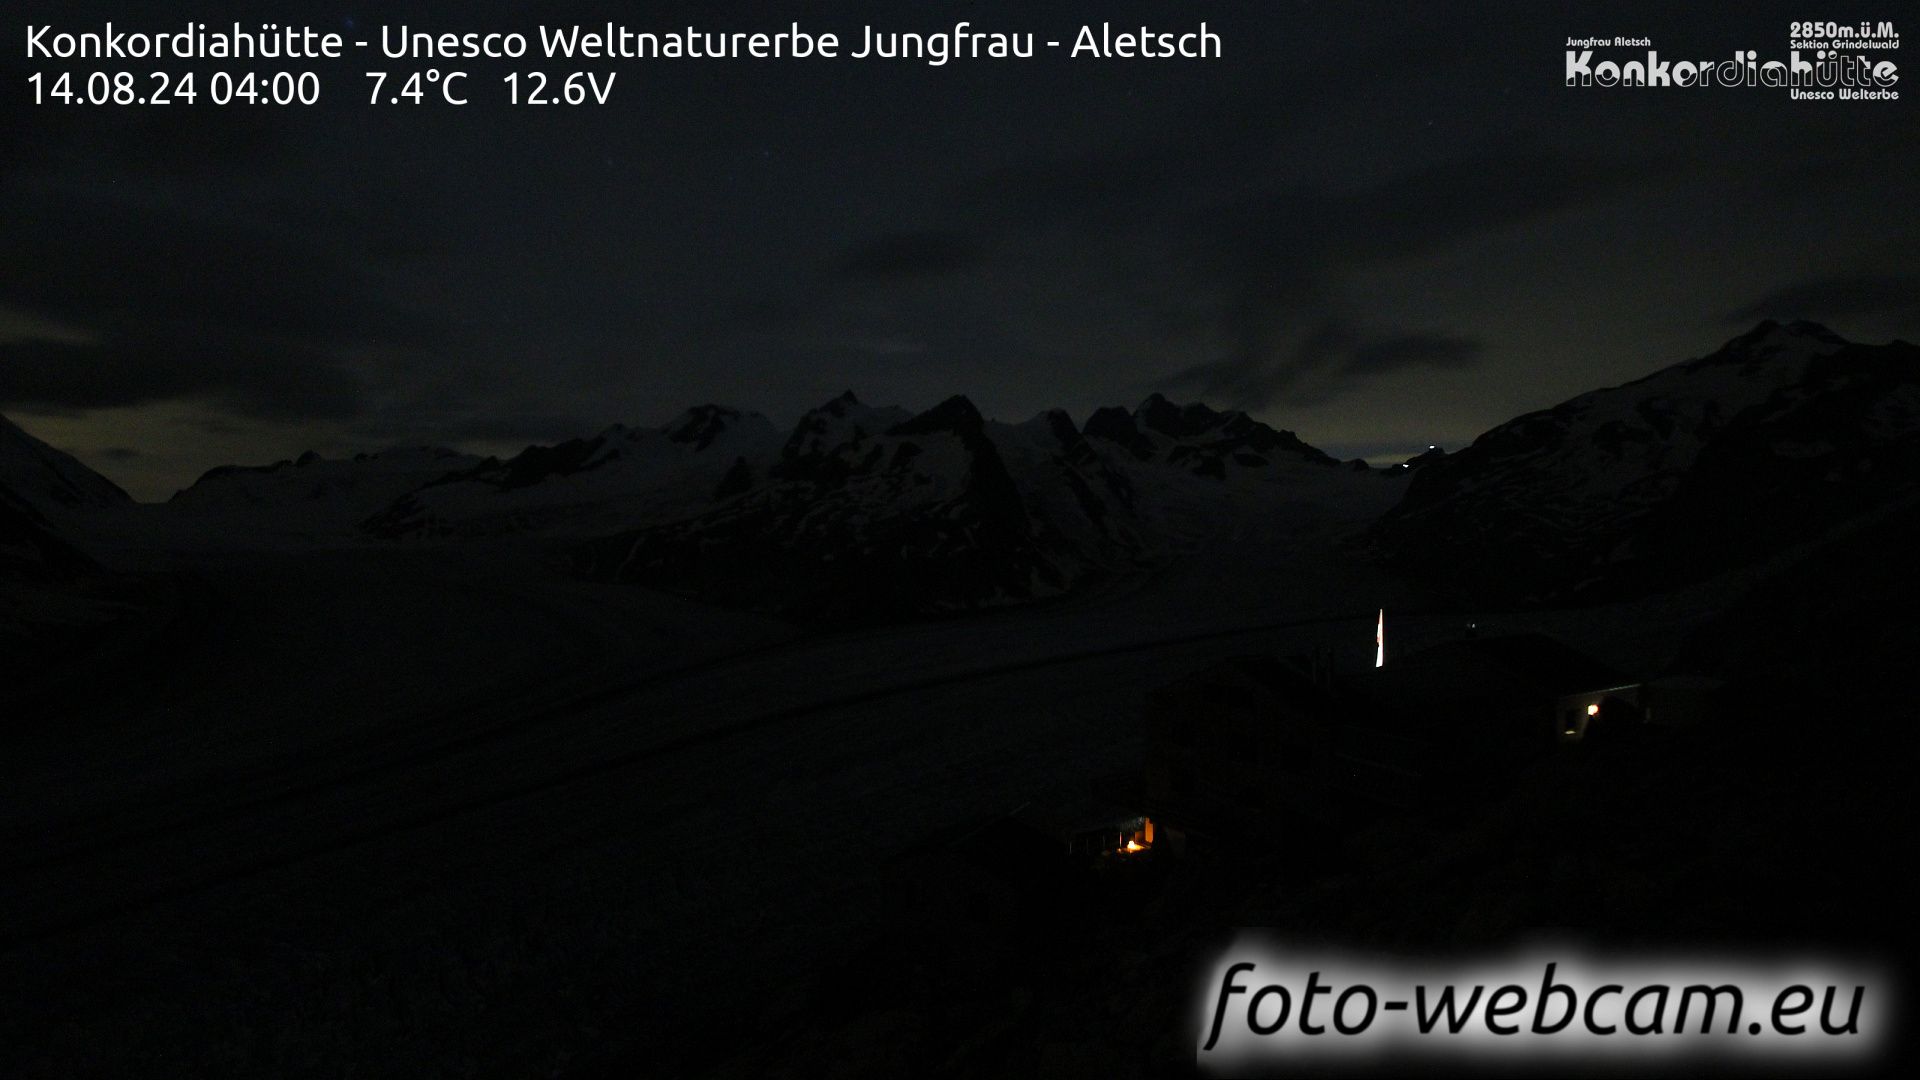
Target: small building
[
  {"x": 1089, "y": 829},
  {"x": 1671, "y": 700}
]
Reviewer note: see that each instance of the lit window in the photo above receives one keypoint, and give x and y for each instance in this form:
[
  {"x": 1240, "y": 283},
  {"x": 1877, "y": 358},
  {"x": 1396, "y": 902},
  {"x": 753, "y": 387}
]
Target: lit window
[{"x": 1139, "y": 840}]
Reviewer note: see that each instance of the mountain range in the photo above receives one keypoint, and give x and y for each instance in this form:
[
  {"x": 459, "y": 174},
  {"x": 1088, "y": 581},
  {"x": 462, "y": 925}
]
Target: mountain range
[{"x": 1784, "y": 437}]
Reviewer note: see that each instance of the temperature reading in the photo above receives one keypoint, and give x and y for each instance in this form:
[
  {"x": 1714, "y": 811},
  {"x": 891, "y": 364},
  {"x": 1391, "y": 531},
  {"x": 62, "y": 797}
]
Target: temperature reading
[{"x": 417, "y": 87}]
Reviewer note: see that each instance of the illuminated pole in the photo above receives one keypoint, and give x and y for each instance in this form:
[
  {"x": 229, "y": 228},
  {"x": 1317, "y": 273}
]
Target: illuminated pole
[{"x": 1380, "y": 640}]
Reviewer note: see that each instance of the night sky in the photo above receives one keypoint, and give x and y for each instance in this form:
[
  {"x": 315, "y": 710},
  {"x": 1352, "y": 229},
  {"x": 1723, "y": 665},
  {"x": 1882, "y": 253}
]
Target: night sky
[{"x": 1377, "y": 228}]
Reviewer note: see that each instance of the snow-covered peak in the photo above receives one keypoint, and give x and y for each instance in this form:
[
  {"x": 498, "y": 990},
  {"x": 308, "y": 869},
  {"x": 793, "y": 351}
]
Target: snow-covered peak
[
  {"x": 716, "y": 429},
  {"x": 1050, "y": 432},
  {"x": 837, "y": 423},
  {"x": 1177, "y": 421},
  {"x": 704, "y": 425},
  {"x": 1199, "y": 439}
]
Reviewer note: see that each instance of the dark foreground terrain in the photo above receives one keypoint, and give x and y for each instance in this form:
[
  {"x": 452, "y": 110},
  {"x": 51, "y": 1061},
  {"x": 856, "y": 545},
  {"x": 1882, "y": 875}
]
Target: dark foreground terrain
[
  {"x": 416, "y": 764},
  {"x": 458, "y": 819}
]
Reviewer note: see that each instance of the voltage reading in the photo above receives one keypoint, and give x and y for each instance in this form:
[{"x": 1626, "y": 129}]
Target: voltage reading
[{"x": 579, "y": 88}]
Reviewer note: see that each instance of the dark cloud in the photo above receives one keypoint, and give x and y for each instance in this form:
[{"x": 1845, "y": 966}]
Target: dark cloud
[
  {"x": 1834, "y": 298},
  {"x": 1328, "y": 362},
  {"x": 908, "y": 255},
  {"x": 234, "y": 312},
  {"x": 1244, "y": 260},
  {"x": 1432, "y": 352},
  {"x": 1248, "y": 380},
  {"x": 1148, "y": 177},
  {"x": 115, "y": 266},
  {"x": 1276, "y": 260},
  {"x": 275, "y": 380},
  {"x": 178, "y": 142},
  {"x": 1279, "y": 249},
  {"x": 1270, "y": 229},
  {"x": 482, "y": 426}
]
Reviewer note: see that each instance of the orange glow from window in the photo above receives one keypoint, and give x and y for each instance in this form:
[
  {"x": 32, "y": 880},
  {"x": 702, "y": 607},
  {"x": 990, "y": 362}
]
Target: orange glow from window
[{"x": 1139, "y": 840}]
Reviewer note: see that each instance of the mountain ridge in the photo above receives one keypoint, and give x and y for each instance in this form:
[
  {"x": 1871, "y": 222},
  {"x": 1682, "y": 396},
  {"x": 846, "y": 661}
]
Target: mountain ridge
[
  {"x": 1613, "y": 491},
  {"x": 860, "y": 510},
  {"x": 49, "y": 479}
]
